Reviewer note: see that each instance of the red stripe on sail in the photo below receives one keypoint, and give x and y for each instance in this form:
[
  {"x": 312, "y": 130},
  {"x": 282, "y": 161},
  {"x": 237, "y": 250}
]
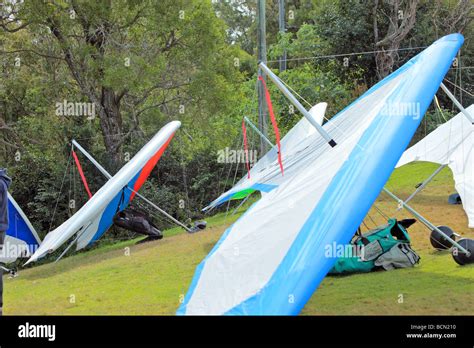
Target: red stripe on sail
[
  {"x": 146, "y": 171},
  {"x": 246, "y": 148},
  {"x": 273, "y": 119},
  {"x": 81, "y": 173}
]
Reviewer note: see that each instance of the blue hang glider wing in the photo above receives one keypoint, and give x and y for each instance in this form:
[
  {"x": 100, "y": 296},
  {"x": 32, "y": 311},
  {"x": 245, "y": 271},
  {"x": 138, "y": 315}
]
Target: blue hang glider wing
[
  {"x": 272, "y": 259},
  {"x": 21, "y": 238}
]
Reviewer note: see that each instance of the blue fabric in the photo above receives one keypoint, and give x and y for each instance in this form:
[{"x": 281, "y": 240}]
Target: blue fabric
[
  {"x": 120, "y": 203},
  {"x": 4, "y": 184},
  {"x": 263, "y": 187},
  {"x": 19, "y": 229}
]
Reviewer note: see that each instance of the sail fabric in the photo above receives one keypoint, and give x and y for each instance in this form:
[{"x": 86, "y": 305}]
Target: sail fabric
[
  {"x": 81, "y": 174},
  {"x": 96, "y": 216},
  {"x": 246, "y": 148},
  {"x": 21, "y": 239},
  {"x": 266, "y": 174},
  {"x": 451, "y": 144},
  {"x": 274, "y": 122},
  {"x": 318, "y": 111},
  {"x": 272, "y": 259}
]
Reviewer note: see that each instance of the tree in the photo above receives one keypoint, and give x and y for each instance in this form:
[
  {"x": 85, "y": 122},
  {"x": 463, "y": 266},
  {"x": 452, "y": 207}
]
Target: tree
[
  {"x": 401, "y": 19},
  {"x": 125, "y": 57}
]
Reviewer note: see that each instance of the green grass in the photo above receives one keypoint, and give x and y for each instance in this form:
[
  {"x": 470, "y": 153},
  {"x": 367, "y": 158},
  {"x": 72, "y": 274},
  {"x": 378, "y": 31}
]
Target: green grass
[{"x": 151, "y": 278}]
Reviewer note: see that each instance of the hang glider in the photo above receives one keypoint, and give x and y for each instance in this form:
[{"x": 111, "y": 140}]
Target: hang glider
[
  {"x": 272, "y": 259},
  {"x": 21, "y": 239},
  {"x": 96, "y": 216},
  {"x": 451, "y": 144}
]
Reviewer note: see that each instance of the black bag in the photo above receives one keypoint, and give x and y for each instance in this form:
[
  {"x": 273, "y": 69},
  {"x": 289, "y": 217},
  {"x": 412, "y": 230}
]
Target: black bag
[{"x": 136, "y": 221}]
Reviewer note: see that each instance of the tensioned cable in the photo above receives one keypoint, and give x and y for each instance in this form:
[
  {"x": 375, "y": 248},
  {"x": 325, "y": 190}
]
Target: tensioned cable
[
  {"x": 237, "y": 166},
  {"x": 291, "y": 89},
  {"x": 347, "y": 54},
  {"x": 254, "y": 95},
  {"x": 380, "y": 211},
  {"x": 60, "y": 190},
  {"x": 459, "y": 87},
  {"x": 185, "y": 177},
  {"x": 371, "y": 219}
]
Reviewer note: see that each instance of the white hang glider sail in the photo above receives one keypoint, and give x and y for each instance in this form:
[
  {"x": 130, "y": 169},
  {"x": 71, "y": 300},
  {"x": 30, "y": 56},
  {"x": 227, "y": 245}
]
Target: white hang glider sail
[
  {"x": 273, "y": 258},
  {"x": 96, "y": 216},
  {"x": 451, "y": 144}
]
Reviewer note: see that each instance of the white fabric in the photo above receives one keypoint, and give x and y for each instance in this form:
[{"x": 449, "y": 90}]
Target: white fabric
[
  {"x": 309, "y": 169},
  {"x": 451, "y": 144},
  {"x": 318, "y": 111},
  {"x": 12, "y": 249},
  {"x": 88, "y": 233}
]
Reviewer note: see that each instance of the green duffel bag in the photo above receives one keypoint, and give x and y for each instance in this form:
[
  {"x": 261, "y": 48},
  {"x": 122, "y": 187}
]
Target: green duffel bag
[{"x": 390, "y": 244}]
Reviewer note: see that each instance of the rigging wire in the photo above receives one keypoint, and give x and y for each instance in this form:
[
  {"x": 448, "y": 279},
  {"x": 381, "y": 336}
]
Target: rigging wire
[
  {"x": 237, "y": 165},
  {"x": 329, "y": 56},
  {"x": 249, "y": 109},
  {"x": 185, "y": 178},
  {"x": 291, "y": 89},
  {"x": 459, "y": 87},
  {"x": 60, "y": 190},
  {"x": 71, "y": 181},
  {"x": 381, "y": 212},
  {"x": 365, "y": 225}
]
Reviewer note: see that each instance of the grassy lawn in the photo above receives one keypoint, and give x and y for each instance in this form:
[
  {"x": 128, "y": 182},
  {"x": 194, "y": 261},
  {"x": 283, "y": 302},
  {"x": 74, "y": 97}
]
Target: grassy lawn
[{"x": 151, "y": 278}]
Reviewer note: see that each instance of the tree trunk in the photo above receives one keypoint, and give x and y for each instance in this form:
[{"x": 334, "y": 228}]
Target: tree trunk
[
  {"x": 111, "y": 124},
  {"x": 401, "y": 21}
]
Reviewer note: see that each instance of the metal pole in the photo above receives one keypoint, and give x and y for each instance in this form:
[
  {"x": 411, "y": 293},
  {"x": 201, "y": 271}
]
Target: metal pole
[
  {"x": 92, "y": 159},
  {"x": 108, "y": 176},
  {"x": 281, "y": 26},
  {"x": 160, "y": 210},
  {"x": 457, "y": 103},
  {"x": 296, "y": 103},
  {"x": 425, "y": 222},
  {"x": 241, "y": 204},
  {"x": 254, "y": 127},
  {"x": 426, "y": 182},
  {"x": 11, "y": 271},
  {"x": 262, "y": 57}
]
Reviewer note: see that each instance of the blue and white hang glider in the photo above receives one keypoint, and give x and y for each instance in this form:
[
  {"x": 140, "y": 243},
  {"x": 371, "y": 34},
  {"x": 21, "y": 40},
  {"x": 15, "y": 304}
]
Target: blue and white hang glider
[
  {"x": 21, "y": 239},
  {"x": 273, "y": 258}
]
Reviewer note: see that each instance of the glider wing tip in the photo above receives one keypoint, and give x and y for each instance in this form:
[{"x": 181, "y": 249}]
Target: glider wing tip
[{"x": 177, "y": 123}]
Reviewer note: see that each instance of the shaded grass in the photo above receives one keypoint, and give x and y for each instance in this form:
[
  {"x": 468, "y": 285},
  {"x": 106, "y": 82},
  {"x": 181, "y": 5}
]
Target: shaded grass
[{"x": 151, "y": 278}]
